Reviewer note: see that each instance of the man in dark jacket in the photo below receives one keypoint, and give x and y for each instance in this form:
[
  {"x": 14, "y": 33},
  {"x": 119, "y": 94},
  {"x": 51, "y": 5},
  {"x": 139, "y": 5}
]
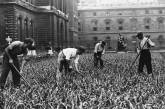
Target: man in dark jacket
[{"x": 10, "y": 60}]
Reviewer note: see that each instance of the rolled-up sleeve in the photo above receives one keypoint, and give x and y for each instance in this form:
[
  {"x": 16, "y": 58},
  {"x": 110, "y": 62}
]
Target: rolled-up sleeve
[
  {"x": 96, "y": 48},
  {"x": 151, "y": 43}
]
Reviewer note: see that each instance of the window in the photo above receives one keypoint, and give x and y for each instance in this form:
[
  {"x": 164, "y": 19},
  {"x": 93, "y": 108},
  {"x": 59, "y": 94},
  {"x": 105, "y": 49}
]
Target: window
[
  {"x": 107, "y": 21},
  {"x": 147, "y": 27},
  {"x": 133, "y": 20},
  {"x": 161, "y": 40},
  {"x": 108, "y": 38},
  {"x": 120, "y": 14},
  {"x": 120, "y": 21},
  {"x": 78, "y": 14},
  {"x": 108, "y": 41},
  {"x": 160, "y": 11},
  {"x": 147, "y": 20},
  {"x": 94, "y": 14},
  {"x": 79, "y": 29},
  {"x": 95, "y": 38},
  {"x": 20, "y": 28},
  {"x": 31, "y": 28},
  {"x": 107, "y": 28},
  {"x": 94, "y": 28},
  {"x": 146, "y": 11},
  {"x": 26, "y": 27},
  {"x": 120, "y": 27},
  {"x": 94, "y": 22},
  {"x": 107, "y": 13},
  {"x": 133, "y": 23},
  {"x": 79, "y": 26},
  {"x": 160, "y": 20}
]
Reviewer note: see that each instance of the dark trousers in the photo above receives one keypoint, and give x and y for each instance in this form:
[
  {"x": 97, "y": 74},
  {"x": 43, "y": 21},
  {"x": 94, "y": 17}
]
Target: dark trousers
[
  {"x": 145, "y": 59},
  {"x": 64, "y": 64},
  {"x": 6, "y": 67},
  {"x": 97, "y": 59}
]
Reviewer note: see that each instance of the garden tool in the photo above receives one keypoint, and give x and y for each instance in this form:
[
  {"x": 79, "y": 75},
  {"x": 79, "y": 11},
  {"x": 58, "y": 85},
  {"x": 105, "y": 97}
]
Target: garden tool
[{"x": 21, "y": 74}]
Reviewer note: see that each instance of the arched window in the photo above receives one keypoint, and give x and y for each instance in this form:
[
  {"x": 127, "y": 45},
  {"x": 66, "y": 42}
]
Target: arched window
[
  {"x": 161, "y": 40},
  {"x": 133, "y": 22},
  {"x": 31, "y": 29},
  {"x": 26, "y": 27},
  {"x": 19, "y": 26},
  {"x": 94, "y": 22},
  {"x": 62, "y": 35},
  {"x": 147, "y": 20},
  {"x": 160, "y": 20},
  {"x": 107, "y": 24},
  {"x": 120, "y": 21},
  {"x": 107, "y": 21},
  {"x": 108, "y": 41}
]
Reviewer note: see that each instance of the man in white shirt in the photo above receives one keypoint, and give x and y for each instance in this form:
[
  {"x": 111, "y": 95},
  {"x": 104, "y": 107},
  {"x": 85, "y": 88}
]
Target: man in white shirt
[
  {"x": 145, "y": 56},
  {"x": 98, "y": 51},
  {"x": 66, "y": 55}
]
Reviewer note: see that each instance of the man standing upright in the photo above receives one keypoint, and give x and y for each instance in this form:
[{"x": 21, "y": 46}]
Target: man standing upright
[
  {"x": 145, "y": 44},
  {"x": 98, "y": 51},
  {"x": 10, "y": 60}
]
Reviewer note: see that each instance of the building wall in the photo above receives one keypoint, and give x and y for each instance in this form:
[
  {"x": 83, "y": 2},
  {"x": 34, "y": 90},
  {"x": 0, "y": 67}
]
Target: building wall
[
  {"x": 107, "y": 23},
  {"x": 44, "y": 20}
]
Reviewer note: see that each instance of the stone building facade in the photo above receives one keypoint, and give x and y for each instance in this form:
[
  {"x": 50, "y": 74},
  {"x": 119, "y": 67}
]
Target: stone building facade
[
  {"x": 107, "y": 22},
  {"x": 44, "y": 20}
]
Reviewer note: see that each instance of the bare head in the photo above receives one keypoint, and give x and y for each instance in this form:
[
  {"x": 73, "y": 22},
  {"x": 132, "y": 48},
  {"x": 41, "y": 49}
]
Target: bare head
[
  {"x": 28, "y": 42},
  {"x": 139, "y": 35},
  {"x": 80, "y": 50}
]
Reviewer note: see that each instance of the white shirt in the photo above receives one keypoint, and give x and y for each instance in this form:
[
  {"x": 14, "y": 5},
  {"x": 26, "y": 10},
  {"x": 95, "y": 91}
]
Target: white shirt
[
  {"x": 143, "y": 41},
  {"x": 98, "y": 48},
  {"x": 69, "y": 53}
]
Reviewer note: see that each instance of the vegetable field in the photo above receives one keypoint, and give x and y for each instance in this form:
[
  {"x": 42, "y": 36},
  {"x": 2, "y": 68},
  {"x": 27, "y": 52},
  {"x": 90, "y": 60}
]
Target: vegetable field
[{"x": 109, "y": 88}]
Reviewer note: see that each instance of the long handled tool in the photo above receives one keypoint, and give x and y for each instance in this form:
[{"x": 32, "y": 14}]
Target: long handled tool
[{"x": 21, "y": 74}]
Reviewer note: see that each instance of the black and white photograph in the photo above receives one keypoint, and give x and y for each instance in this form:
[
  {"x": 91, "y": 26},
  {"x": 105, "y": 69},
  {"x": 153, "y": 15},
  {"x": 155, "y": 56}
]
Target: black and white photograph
[{"x": 82, "y": 54}]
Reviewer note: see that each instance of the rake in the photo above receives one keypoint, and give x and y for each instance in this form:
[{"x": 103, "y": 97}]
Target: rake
[{"x": 21, "y": 74}]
